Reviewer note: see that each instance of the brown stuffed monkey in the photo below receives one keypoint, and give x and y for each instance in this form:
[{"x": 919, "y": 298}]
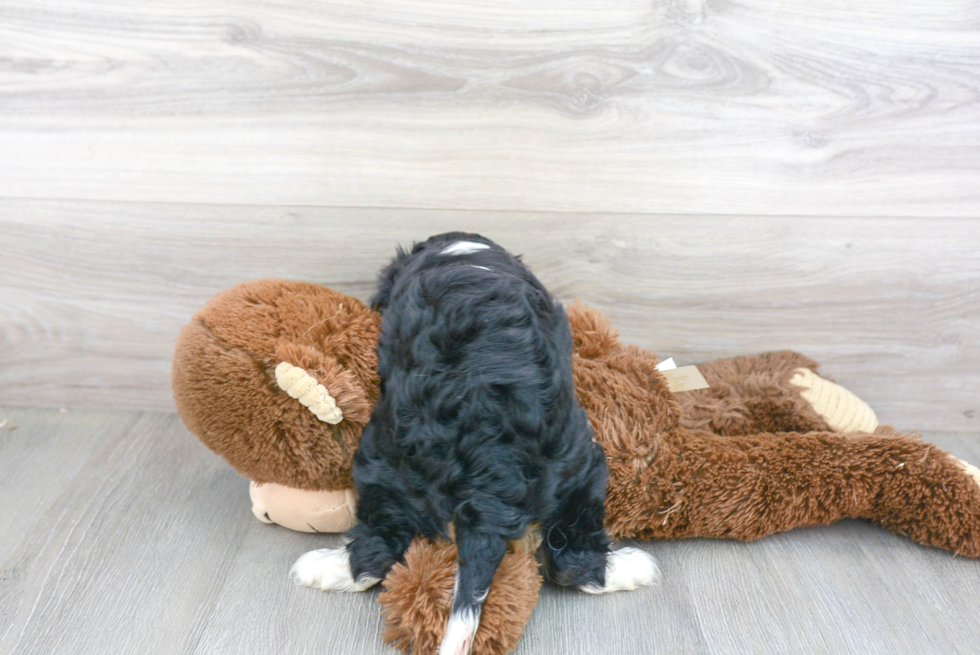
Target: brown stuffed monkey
[{"x": 279, "y": 378}]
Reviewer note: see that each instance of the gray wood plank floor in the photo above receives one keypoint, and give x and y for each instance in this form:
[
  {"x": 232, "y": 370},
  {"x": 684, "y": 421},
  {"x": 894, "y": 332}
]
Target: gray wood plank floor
[{"x": 122, "y": 534}]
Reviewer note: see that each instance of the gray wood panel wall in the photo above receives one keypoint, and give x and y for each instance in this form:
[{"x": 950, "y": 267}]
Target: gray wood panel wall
[{"x": 721, "y": 178}]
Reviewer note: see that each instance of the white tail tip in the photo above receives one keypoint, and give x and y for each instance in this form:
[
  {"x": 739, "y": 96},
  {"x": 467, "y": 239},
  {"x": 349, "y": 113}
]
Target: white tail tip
[{"x": 460, "y": 633}]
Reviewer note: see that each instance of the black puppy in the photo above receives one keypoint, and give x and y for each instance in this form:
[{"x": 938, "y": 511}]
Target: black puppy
[{"x": 477, "y": 428}]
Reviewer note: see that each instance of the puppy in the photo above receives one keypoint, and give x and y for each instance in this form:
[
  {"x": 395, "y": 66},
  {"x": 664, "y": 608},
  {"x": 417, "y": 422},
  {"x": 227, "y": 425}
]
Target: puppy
[{"x": 477, "y": 433}]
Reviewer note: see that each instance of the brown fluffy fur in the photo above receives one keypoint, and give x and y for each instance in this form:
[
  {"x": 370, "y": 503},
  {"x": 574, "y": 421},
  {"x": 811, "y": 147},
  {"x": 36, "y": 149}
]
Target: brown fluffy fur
[
  {"x": 746, "y": 458},
  {"x": 225, "y": 385},
  {"x": 418, "y": 595},
  {"x": 669, "y": 479},
  {"x": 749, "y": 395}
]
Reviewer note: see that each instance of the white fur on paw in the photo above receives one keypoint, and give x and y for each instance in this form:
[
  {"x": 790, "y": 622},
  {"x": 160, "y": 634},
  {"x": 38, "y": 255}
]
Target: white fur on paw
[
  {"x": 627, "y": 569},
  {"x": 460, "y": 633},
  {"x": 971, "y": 470},
  {"x": 329, "y": 569}
]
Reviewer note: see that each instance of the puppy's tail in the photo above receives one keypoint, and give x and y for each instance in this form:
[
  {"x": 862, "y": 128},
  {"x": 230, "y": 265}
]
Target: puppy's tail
[{"x": 479, "y": 557}]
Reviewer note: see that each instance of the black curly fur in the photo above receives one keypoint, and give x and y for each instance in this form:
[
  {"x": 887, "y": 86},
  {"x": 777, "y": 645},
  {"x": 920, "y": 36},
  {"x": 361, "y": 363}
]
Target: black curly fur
[{"x": 477, "y": 425}]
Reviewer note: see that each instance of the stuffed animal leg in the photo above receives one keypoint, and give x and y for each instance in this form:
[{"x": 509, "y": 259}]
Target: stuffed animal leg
[
  {"x": 772, "y": 392},
  {"x": 790, "y": 480},
  {"x": 705, "y": 485},
  {"x": 668, "y": 480}
]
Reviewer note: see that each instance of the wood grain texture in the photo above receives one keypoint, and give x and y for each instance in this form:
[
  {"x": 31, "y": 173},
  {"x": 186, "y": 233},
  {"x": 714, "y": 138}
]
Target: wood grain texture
[
  {"x": 93, "y": 294},
  {"x": 123, "y": 534},
  {"x": 671, "y": 106}
]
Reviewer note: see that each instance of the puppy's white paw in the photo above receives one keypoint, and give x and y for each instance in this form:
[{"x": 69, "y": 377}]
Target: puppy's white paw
[
  {"x": 460, "y": 633},
  {"x": 329, "y": 570},
  {"x": 627, "y": 569}
]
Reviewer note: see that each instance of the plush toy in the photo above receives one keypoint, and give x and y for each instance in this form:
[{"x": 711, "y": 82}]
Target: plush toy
[{"x": 278, "y": 377}]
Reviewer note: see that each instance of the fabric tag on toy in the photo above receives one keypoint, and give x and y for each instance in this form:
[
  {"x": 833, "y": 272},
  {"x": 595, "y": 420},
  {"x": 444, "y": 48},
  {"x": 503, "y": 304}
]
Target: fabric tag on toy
[
  {"x": 685, "y": 378},
  {"x": 666, "y": 365}
]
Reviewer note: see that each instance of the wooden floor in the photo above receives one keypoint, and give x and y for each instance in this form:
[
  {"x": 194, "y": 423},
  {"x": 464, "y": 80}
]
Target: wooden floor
[{"x": 121, "y": 533}]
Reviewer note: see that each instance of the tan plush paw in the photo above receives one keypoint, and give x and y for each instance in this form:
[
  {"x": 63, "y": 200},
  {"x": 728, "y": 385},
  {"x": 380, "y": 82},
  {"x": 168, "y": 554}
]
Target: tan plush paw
[
  {"x": 841, "y": 409},
  {"x": 970, "y": 469}
]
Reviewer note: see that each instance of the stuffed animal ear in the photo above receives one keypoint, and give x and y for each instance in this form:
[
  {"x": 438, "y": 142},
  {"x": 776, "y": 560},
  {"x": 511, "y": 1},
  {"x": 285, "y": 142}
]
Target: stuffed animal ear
[
  {"x": 593, "y": 336},
  {"x": 329, "y": 390}
]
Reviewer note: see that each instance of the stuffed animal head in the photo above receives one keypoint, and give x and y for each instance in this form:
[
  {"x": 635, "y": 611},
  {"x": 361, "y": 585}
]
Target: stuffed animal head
[{"x": 279, "y": 378}]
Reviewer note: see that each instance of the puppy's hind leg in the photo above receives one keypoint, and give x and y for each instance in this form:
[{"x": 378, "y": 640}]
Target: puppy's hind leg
[
  {"x": 576, "y": 547},
  {"x": 479, "y": 557},
  {"x": 376, "y": 543}
]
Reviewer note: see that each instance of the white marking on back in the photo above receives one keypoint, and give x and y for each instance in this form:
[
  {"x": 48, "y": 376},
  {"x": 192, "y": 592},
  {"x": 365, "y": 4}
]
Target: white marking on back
[{"x": 463, "y": 248}]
